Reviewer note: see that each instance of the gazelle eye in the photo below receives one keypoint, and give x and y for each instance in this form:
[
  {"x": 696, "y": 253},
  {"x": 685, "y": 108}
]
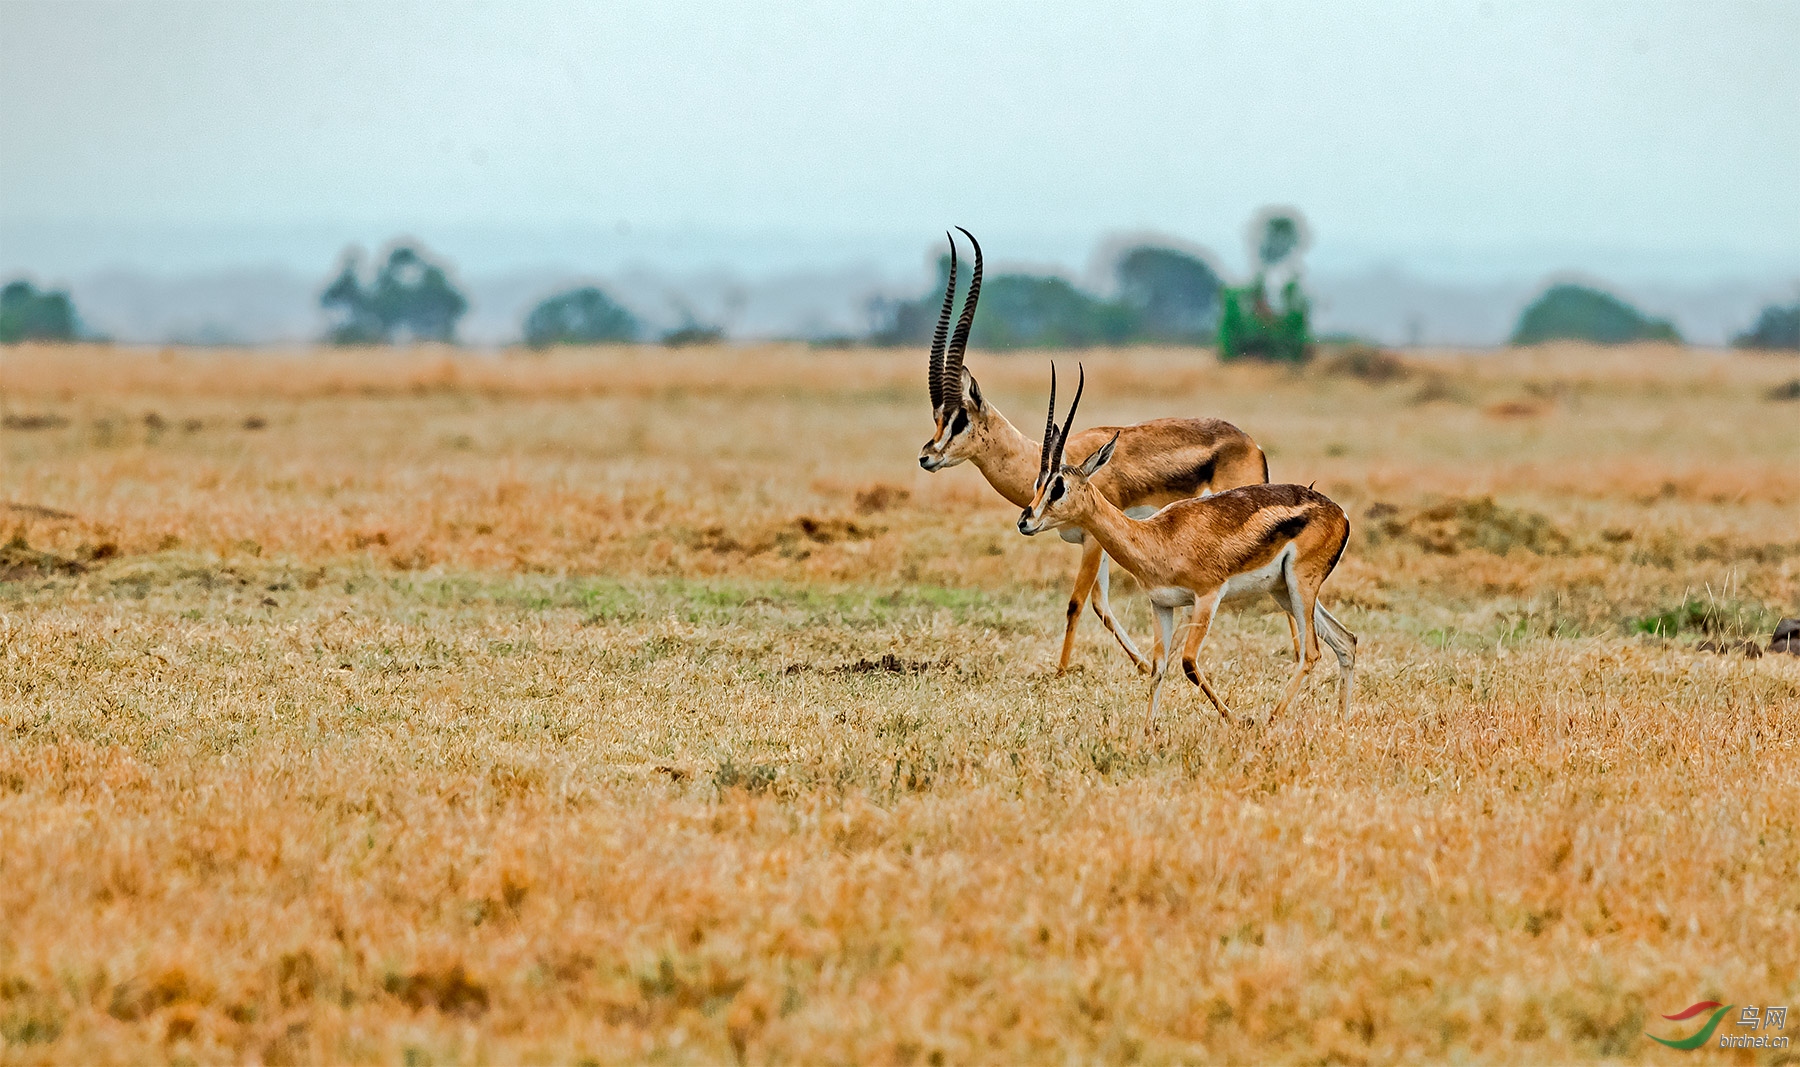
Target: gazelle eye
[
  {"x": 1056, "y": 489},
  {"x": 960, "y": 423}
]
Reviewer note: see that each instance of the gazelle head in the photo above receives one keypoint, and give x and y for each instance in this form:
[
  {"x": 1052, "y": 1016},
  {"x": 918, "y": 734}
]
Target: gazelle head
[
  {"x": 956, "y": 404},
  {"x": 1061, "y": 498}
]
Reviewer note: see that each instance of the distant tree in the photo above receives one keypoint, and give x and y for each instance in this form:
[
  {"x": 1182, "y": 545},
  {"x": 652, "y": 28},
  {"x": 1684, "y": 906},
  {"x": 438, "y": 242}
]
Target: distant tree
[
  {"x": 1174, "y": 296},
  {"x": 1250, "y": 325},
  {"x": 29, "y": 314},
  {"x": 1036, "y": 311},
  {"x": 1776, "y": 328},
  {"x": 1578, "y": 313},
  {"x": 908, "y": 322},
  {"x": 583, "y": 316},
  {"x": 1016, "y": 311},
  {"x": 410, "y": 298},
  {"x": 355, "y": 321}
]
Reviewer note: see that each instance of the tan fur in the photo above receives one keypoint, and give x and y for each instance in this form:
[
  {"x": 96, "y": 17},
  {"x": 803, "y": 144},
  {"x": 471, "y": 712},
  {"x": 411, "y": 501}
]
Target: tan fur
[
  {"x": 1154, "y": 463},
  {"x": 1198, "y": 546}
]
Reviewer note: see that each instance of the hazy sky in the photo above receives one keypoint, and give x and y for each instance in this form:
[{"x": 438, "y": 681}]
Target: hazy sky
[{"x": 1637, "y": 127}]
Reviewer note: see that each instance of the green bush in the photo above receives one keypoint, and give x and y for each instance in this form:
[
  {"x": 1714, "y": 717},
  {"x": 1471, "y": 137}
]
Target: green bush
[
  {"x": 583, "y": 316},
  {"x": 1578, "y": 313},
  {"x": 1250, "y": 326},
  {"x": 28, "y": 314}
]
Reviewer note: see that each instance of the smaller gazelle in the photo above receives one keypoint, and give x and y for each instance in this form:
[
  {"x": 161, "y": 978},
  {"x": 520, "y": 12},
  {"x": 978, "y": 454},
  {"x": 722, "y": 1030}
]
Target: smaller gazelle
[{"x": 1233, "y": 546}]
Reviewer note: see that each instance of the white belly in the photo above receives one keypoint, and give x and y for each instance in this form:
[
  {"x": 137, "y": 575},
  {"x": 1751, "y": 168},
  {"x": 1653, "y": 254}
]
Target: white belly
[
  {"x": 1240, "y": 591},
  {"x": 1263, "y": 580}
]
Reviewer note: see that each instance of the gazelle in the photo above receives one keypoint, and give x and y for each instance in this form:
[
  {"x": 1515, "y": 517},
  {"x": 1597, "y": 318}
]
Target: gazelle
[
  {"x": 1282, "y": 540},
  {"x": 1154, "y": 463}
]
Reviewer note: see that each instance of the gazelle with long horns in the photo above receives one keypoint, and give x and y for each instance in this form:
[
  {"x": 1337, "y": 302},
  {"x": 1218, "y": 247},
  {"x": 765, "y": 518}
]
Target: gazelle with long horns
[
  {"x": 1255, "y": 540},
  {"x": 1154, "y": 463}
]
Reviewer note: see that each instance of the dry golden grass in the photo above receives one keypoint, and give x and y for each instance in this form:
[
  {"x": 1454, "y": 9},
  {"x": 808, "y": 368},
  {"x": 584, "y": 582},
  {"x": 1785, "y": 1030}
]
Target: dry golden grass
[{"x": 656, "y": 706}]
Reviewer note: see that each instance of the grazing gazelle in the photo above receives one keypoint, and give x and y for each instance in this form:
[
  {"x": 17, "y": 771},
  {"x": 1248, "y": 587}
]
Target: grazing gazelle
[
  {"x": 1155, "y": 462},
  {"x": 1281, "y": 540}
]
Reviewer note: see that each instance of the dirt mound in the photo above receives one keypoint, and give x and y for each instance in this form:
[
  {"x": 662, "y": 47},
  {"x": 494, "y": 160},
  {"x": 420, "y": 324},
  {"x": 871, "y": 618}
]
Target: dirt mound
[
  {"x": 879, "y": 498},
  {"x": 19, "y": 560},
  {"x": 36, "y": 511},
  {"x": 33, "y": 422},
  {"x": 1366, "y": 363},
  {"x": 790, "y": 538},
  {"x": 886, "y": 663},
  {"x": 1787, "y": 637},
  {"x": 1458, "y": 524}
]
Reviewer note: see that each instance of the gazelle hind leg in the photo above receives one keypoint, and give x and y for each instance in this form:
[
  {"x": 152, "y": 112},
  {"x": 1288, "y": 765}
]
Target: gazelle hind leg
[
  {"x": 1299, "y": 602},
  {"x": 1165, "y": 658},
  {"x": 1091, "y": 556},
  {"x": 1204, "y": 607},
  {"x": 1103, "y": 608},
  {"x": 1343, "y": 644}
]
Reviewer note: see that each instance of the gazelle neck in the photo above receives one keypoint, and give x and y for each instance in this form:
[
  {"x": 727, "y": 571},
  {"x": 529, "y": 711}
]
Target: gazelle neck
[
  {"x": 1010, "y": 460},
  {"x": 1122, "y": 536}
]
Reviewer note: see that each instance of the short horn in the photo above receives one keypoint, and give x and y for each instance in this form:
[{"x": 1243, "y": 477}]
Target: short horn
[
  {"x": 959, "y": 342},
  {"x": 1063, "y": 437},
  {"x": 943, "y": 331},
  {"x": 1049, "y": 428}
]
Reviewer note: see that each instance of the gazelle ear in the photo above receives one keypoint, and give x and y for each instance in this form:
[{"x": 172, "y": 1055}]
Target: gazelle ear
[
  {"x": 971, "y": 392},
  {"x": 1099, "y": 458}
]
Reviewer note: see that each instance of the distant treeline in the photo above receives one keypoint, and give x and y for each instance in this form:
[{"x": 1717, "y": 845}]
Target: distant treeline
[{"x": 1159, "y": 295}]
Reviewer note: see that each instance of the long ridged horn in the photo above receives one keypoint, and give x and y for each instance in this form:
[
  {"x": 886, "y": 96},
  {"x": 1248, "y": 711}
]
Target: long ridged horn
[
  {"x": 943, "y": 331},
  {"x": 1063, "y": 437},
  {"x": 959, "y": 342},
  {"x": 1049, "y": 430}
]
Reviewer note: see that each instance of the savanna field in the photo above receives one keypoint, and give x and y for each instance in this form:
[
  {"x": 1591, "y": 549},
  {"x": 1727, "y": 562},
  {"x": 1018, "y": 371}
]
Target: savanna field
[{"x": 638, "y": 705}]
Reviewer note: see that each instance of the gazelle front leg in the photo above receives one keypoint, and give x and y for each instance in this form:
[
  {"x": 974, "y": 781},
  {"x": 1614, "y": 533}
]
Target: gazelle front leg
[
  {"x": 1091, "y": 555},
  {"x": 1204, "y": 607},
  {"x": 1103, "y": 608}
]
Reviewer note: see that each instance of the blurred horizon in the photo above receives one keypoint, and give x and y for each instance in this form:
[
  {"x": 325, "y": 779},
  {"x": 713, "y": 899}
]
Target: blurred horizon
[{"x": 196, "y": 170}]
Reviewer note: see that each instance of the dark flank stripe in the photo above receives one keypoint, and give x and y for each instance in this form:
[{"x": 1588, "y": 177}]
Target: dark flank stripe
[
  {"x": 1197, "y": 477},
  {"x": 1287, "y": 529}
]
